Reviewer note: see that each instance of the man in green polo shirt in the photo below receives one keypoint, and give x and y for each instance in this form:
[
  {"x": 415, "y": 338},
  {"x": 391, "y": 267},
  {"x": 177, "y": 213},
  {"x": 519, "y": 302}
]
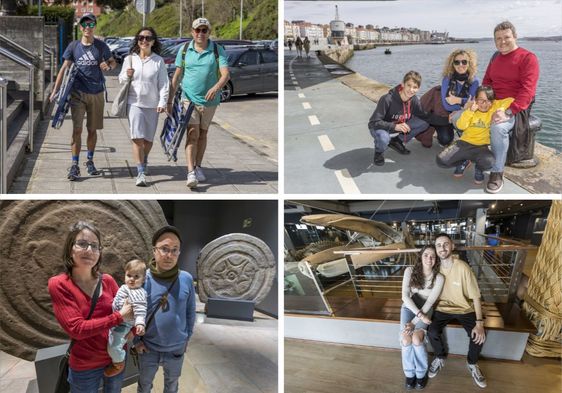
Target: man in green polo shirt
[{"x": 202, "y": 77}]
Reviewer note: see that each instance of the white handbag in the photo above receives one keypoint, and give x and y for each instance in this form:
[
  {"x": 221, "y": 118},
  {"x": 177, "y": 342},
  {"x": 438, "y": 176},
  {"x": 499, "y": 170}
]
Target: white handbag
[{"x": 119, "y": 106}]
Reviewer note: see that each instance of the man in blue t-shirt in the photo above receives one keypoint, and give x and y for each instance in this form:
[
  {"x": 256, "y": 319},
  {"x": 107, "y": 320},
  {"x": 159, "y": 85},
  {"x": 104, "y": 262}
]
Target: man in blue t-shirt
[
  {"x": 91, "y": 56},
  {"x": 201, "y": 85}
]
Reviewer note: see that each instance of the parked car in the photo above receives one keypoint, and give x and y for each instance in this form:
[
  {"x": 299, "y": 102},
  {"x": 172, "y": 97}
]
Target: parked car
[
  {"x": 121, "y": 48},
  {"x": 252, "y": 70}
]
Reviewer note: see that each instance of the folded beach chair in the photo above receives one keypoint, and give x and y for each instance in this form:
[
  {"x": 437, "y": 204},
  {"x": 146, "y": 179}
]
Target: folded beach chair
[
  {"x": 175, "y": 126},
  {"x": 63, "y": 98}
]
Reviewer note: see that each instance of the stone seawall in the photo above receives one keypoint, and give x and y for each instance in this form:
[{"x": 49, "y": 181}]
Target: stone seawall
[{"x": 339, "y": 54}]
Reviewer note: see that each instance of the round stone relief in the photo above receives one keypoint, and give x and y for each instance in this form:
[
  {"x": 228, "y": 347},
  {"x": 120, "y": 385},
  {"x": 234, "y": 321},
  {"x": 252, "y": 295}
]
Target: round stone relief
[
  {"x": 235, "y": 266},
  {"x": 33, "y": 234}
]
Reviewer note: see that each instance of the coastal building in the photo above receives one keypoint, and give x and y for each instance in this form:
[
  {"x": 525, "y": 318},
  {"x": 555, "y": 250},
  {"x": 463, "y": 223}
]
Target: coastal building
[
  {"x": 81, "y": 6},
  {"x": 338, "y": 31}
]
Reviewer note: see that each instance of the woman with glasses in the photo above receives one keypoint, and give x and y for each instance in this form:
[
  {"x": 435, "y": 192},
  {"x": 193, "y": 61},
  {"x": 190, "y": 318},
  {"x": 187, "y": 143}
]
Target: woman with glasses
[
  {"x": 148, "y": 95},
  {"x": 421, "y": 286},
  {"x": 72, "y": 293},
  {"x": 458, "y": 85},
  {"x": 171, "y": 313}
]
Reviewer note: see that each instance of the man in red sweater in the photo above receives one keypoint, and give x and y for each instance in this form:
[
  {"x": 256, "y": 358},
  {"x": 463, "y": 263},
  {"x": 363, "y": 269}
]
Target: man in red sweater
[{"x": 513, "y": 72}]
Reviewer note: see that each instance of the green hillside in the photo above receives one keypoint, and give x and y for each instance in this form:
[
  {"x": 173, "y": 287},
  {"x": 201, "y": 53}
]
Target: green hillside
[{"x": 260, "y": 20}]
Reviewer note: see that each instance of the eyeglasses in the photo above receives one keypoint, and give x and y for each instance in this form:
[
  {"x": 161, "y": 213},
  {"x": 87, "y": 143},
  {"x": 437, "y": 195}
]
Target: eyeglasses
[
  {"x": 204, "y": 31},
  {"x": 165, "y": 250},
  {"x": 83, "y": 245},
  {"x": 147, "y": 38},
  {"x": 459, "y": 62},
  {"x": 482, "y": 101},
  {"x": 91, "y": 25}
]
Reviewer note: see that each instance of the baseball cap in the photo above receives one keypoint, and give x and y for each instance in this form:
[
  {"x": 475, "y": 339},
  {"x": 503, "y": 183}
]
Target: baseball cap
[
  {"x": 87, "y": 16},
  {"x": 201, "y": 22}
]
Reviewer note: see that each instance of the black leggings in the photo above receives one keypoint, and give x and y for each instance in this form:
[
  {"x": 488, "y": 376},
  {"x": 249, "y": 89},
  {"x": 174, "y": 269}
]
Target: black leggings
[{"x": 460, "y": 151}]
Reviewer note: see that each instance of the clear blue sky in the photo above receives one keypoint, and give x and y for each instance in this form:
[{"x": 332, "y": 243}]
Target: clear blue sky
[{"x": 461, "y": 18}]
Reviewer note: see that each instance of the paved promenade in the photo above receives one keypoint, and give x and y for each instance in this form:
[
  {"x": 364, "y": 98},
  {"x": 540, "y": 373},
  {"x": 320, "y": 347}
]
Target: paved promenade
[
  {"x": 231, "y": 164},
  {"x": 328, "y": 148}
]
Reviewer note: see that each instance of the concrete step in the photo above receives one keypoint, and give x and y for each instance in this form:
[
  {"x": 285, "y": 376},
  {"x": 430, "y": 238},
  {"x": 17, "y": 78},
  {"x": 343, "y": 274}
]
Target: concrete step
[
  {"x": 19, "y": 143},
  {"x": 17, "y": 118},
  {"x": 17, "y": 79},
  {"x": 15, "y": 107}
]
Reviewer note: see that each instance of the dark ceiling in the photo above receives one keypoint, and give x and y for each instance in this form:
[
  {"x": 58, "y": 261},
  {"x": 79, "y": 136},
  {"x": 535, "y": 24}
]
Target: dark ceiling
[{"x": 421, "y": 209}]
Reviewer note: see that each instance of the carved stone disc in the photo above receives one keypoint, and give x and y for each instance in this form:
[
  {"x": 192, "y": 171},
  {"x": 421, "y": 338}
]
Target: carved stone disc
[
  {"x": 235, "y": 266},
  {"x": 32, "y": 237}
]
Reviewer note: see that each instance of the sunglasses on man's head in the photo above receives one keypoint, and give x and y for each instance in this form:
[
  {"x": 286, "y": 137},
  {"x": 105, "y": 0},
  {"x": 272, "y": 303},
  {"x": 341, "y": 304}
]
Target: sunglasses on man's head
[
  {"x": 459, "y": 62},
  {"x": 91, "y": 25},
  {"x": 204, "y": 31},
  {"x": 145, "y": 38}
]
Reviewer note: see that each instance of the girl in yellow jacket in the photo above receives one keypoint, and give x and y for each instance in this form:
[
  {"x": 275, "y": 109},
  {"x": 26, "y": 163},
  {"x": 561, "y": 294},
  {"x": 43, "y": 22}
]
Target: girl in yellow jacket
[{"x": 475, "y": 121}]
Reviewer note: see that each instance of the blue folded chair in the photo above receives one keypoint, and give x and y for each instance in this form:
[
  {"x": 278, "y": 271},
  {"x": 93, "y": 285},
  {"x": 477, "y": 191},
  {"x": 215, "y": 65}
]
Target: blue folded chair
[
  {"x": 63, "y": 98},
  {"x": 175, "y": 126}
]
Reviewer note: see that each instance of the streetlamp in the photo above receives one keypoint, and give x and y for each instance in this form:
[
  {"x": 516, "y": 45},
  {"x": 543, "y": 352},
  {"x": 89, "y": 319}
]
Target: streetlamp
[{"x": 241, "y": 13}]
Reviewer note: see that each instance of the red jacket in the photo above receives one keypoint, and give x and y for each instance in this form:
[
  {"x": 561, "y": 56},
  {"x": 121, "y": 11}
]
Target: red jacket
[
  {"x": 71, "y": 306},
  {"x": 514, "y": 75}
]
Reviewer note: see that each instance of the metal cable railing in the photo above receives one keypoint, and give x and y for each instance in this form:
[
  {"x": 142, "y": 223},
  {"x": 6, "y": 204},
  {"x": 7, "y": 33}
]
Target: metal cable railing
[{"x": 497, "y": 269}]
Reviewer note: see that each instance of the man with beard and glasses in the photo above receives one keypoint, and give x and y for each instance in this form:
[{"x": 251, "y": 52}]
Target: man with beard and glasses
[
  {"x": 171, "y": 313},
  {"x": 460, "y": 301}
]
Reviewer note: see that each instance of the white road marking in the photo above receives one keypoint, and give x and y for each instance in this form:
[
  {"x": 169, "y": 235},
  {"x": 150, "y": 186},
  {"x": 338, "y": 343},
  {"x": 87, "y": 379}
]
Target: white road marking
[
  {"x": 326, "y": 143},
  {"x": 346, "y": 182},
  {"x": 295, "y": 83},
  {"x": 313, "y": 120},
  {"x": 301, "y": 95},
  {"x": 297, "y": 88},
  {"x": 306, "y": 105},
  {"x": 293, "y": 77}
]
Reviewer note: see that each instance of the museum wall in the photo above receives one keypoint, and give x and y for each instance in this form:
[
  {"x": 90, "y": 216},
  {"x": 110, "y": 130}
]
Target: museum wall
[{"x": 200, "y": 222}]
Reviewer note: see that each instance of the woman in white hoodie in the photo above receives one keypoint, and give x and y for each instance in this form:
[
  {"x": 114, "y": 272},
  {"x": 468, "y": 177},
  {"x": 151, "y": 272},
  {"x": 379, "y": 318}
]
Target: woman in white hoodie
[{"x": 148, "y": 94}]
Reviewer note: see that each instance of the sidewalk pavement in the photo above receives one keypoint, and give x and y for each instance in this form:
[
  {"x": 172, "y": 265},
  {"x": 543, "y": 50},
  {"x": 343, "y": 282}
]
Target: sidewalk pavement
[{"x": 230, "y": 165}]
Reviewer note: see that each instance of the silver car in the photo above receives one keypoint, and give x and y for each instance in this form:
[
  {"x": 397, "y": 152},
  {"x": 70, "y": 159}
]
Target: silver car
[{"x": 252, "y": 70}]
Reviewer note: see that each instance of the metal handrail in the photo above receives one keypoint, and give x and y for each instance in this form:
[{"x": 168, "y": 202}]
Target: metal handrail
[
  {"x": 3, "y": 134},
  {"x": 47, "y": 49},
  {"x": 31, "y": 69},
  {"x": 20, "y": 48}
]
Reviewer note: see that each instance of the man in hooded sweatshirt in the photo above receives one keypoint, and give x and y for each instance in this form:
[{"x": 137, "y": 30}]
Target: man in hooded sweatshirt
[{"x": 400, "y": 112}]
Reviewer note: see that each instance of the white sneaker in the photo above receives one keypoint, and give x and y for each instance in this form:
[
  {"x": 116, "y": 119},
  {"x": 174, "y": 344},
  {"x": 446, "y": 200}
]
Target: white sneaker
[
  {"x": 477, "y": 375},
  {"x": 141, "y": 180},
  {"x": 436, "y": 365},
  {"x": 199, "y": 174},
  {"x": 192, "y": 180}
]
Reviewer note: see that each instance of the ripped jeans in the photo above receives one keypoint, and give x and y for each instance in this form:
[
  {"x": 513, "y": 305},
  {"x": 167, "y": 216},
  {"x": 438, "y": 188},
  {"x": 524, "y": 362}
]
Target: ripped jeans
[{"x": 414, "y": 357}]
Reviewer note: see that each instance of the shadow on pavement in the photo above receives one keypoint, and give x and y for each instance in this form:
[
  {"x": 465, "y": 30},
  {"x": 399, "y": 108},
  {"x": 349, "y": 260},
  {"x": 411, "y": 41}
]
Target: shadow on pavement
[{"x": 360, "y": 161}]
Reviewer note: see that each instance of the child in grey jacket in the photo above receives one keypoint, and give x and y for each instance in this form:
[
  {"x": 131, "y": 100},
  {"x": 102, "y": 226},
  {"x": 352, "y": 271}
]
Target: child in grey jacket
[{"x": 133, "y": 292}]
